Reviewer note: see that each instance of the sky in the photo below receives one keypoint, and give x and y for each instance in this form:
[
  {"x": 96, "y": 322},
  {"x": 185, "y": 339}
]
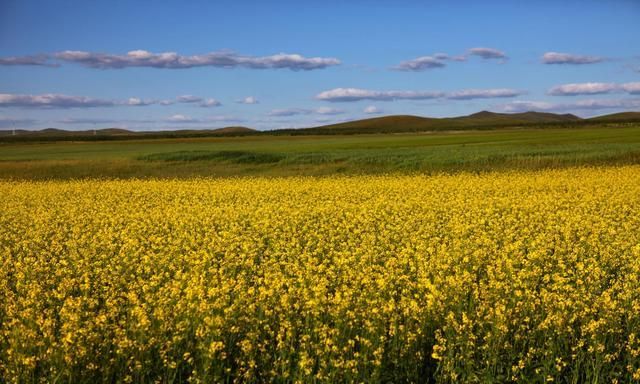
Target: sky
[{"x": 155, "y": 65}]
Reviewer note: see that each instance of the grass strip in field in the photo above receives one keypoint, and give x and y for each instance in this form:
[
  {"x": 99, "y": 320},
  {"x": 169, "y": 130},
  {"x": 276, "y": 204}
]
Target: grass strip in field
[
  {"x": 314, "y": 156},
  {"x": 240, "y": 157}
]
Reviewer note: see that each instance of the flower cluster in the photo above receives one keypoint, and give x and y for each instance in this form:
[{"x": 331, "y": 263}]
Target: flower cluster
[{"x": 515, "y": 276}]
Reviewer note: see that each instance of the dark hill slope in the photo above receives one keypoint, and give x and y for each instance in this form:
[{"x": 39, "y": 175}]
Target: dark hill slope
[
  {"x": 408, "y": 123},
  {"x": 622, "y": 116}
]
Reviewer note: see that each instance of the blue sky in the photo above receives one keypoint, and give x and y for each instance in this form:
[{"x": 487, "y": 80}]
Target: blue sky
[{"x": 86, "y": 64}]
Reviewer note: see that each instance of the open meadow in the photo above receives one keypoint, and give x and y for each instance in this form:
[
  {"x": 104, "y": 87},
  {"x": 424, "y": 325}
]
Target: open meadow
[{"x": 428, "y": 152}]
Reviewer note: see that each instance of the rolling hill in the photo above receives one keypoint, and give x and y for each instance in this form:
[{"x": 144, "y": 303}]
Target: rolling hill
[
  {"x": 409, "y": 123},
  {"x": 486, "y": 117},
  {"x": 119, "y": 133},
  {"x": 622, "y": 116},
  {"x": 384, "y": 124}
]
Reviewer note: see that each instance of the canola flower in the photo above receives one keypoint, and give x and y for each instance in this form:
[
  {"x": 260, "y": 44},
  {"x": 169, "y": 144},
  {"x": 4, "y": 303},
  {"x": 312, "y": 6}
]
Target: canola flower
[{"x": 502, "y": 277}]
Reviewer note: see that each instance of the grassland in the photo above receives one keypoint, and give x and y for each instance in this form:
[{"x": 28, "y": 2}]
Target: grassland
[{"x": 431, "y": 152}]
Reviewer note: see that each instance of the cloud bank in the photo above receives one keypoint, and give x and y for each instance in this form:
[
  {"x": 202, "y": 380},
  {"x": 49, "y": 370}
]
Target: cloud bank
[
  {"x": 305, "y": 111},
  {"x": 172, "y": 60},
  {"x": 356, "y": 94},
  {"x": 487, "y": 53},
  {"x": 37, "y": 60},
  {"x": 568, "y": 58},
  {"x": 584, "y": 105},
  {"x": 438, "y": 60},
  {"x": 185, "y": 119},
  {"x": 208, "y": 103},
  {"x": 594, "y": 89},
  {"x": 372, "y": 110},
  {"x": 420, "y": 64},
  {"x": 52, "y": 101},
  {"x": 468, "y": 94},
  {"x": 328, "y": 111},
  {"x": 188, "y": 99},
  {"x": 58, "y": 101},
  {"x": 179, "y": 118},
  {"x": 289, "y": 112},
  {"x": 248, "y": 100}
]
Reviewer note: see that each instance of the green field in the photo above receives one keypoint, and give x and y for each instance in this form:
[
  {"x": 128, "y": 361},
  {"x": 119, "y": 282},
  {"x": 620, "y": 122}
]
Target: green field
[{"x": 484, "y": 150}]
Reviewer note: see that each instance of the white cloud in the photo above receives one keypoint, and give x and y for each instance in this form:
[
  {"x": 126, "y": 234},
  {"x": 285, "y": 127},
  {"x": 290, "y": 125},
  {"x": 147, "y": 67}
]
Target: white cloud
[
  {"x": 289, "y": 112},
  {"x": 568, "y": 58},
  {"x": 248, "y": 100},
  {"x": 438, "y": 60},
  {"x": 582, "y": 89},
  {"x": 172, "y": 60},
  {"x": 487, "y": 53},
  {"x": 632, "y": 88},
  {"x": 355, "y": 94},
  {"x": 524, "y": 106},
  {"x": 422, "y": 63},
  {"x": 467, "y": 94},
  {"x": 188, "y": 99},
  {"x": 37, "y": 60},
  {"x": 54, "y": 101},
  {"x": 581, "y": 105},
  {"x": 593, "y": 89},
  {"x": 134, "y": 101},
  {"x": 178, "y": 118},
  {"x": 328, "y": 111},
  {"x": 607, "y": 104},
  {"x": 372, "y": 110},
  {"x": 210, "y": 103},
  {"x": 440, "y": 56},
  {"x": 305, "y": 111}
]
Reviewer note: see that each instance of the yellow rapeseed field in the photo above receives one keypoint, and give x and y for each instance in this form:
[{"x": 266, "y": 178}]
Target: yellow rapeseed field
[{"x": 527, "y": 276}]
